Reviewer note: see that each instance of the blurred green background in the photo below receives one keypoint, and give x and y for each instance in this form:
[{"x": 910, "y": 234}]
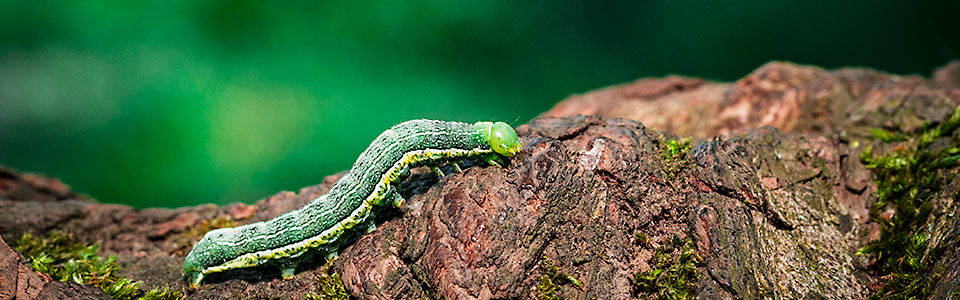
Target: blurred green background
[{"x": 174, "y": 103}]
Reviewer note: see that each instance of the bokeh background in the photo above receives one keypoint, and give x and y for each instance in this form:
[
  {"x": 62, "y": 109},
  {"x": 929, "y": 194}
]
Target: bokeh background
[{"x": 174, "y": 103}]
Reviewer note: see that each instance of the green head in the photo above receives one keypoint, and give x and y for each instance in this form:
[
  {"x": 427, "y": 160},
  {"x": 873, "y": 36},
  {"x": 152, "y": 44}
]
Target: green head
[{"x": 501, "y": 137}]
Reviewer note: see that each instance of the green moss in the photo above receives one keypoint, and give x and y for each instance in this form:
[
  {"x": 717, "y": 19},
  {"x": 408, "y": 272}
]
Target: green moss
[
  {"x": 331, "y": 286},
  {"x": 672, "y": 274},
  {"x": 673, "y": 154},
  {"x": 65, "y": 259},
  {"x": 552, "y": 279},
  {"x": 887, "y": 136},
  {"x": 675, "y": 149},
  {"x": 907, "y": 179}
]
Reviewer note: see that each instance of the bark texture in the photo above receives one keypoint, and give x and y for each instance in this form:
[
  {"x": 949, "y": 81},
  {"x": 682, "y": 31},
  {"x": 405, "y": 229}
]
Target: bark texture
[{"x": 771, "y": 194}]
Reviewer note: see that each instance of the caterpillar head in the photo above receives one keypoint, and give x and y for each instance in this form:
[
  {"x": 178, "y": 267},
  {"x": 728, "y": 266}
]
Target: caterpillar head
[
  {"x": 209, "y": 252},
  {"x": 501, "y": 137}
]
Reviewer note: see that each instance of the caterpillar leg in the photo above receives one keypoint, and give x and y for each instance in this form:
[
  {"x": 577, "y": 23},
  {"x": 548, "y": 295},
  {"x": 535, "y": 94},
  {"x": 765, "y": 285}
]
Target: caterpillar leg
[
  {"x": 396, "y": 199},
  {"x": 371, "y": 228},
  {"x": 437, "y": 170},
  {"x": 392, "y": 196},
  {"x": 287, "y": 268},
  {"x": 456, "y": 166},
  {"x": 494, "y": 160},
  {"x": 194, "y": 278},
  {"x": 332, "y": 255}
]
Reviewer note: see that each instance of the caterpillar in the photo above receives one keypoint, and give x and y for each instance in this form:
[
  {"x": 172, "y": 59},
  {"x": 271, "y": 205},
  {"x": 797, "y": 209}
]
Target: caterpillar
[{"x": 353, "y": 200}]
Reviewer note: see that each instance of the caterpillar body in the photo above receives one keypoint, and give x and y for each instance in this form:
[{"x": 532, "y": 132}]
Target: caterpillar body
[{"x": 350, "y": 204}]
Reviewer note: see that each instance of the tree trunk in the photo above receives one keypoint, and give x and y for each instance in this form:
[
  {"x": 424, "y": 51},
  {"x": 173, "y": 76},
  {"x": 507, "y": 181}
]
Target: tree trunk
[{"x": 769, "y": 199}]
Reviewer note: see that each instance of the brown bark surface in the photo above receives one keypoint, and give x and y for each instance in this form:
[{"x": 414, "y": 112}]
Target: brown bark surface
[{"x": 771, "y": 193}]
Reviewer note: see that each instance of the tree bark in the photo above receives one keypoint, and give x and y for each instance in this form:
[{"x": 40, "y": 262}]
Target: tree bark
[{"x": 771, "y": 195}]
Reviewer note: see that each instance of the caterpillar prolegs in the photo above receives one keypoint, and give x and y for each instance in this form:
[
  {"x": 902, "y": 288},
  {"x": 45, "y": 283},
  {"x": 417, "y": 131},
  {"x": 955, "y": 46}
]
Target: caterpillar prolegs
[{"x": 352, "y": 201}]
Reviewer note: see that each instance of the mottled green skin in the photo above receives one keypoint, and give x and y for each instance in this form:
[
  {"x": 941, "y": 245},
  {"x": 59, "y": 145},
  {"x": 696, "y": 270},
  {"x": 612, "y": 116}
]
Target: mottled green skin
[{"x": 351, "y": 202}]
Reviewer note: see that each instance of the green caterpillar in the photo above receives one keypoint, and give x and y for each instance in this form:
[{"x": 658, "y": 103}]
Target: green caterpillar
[{"x": 353, "y": 200}]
